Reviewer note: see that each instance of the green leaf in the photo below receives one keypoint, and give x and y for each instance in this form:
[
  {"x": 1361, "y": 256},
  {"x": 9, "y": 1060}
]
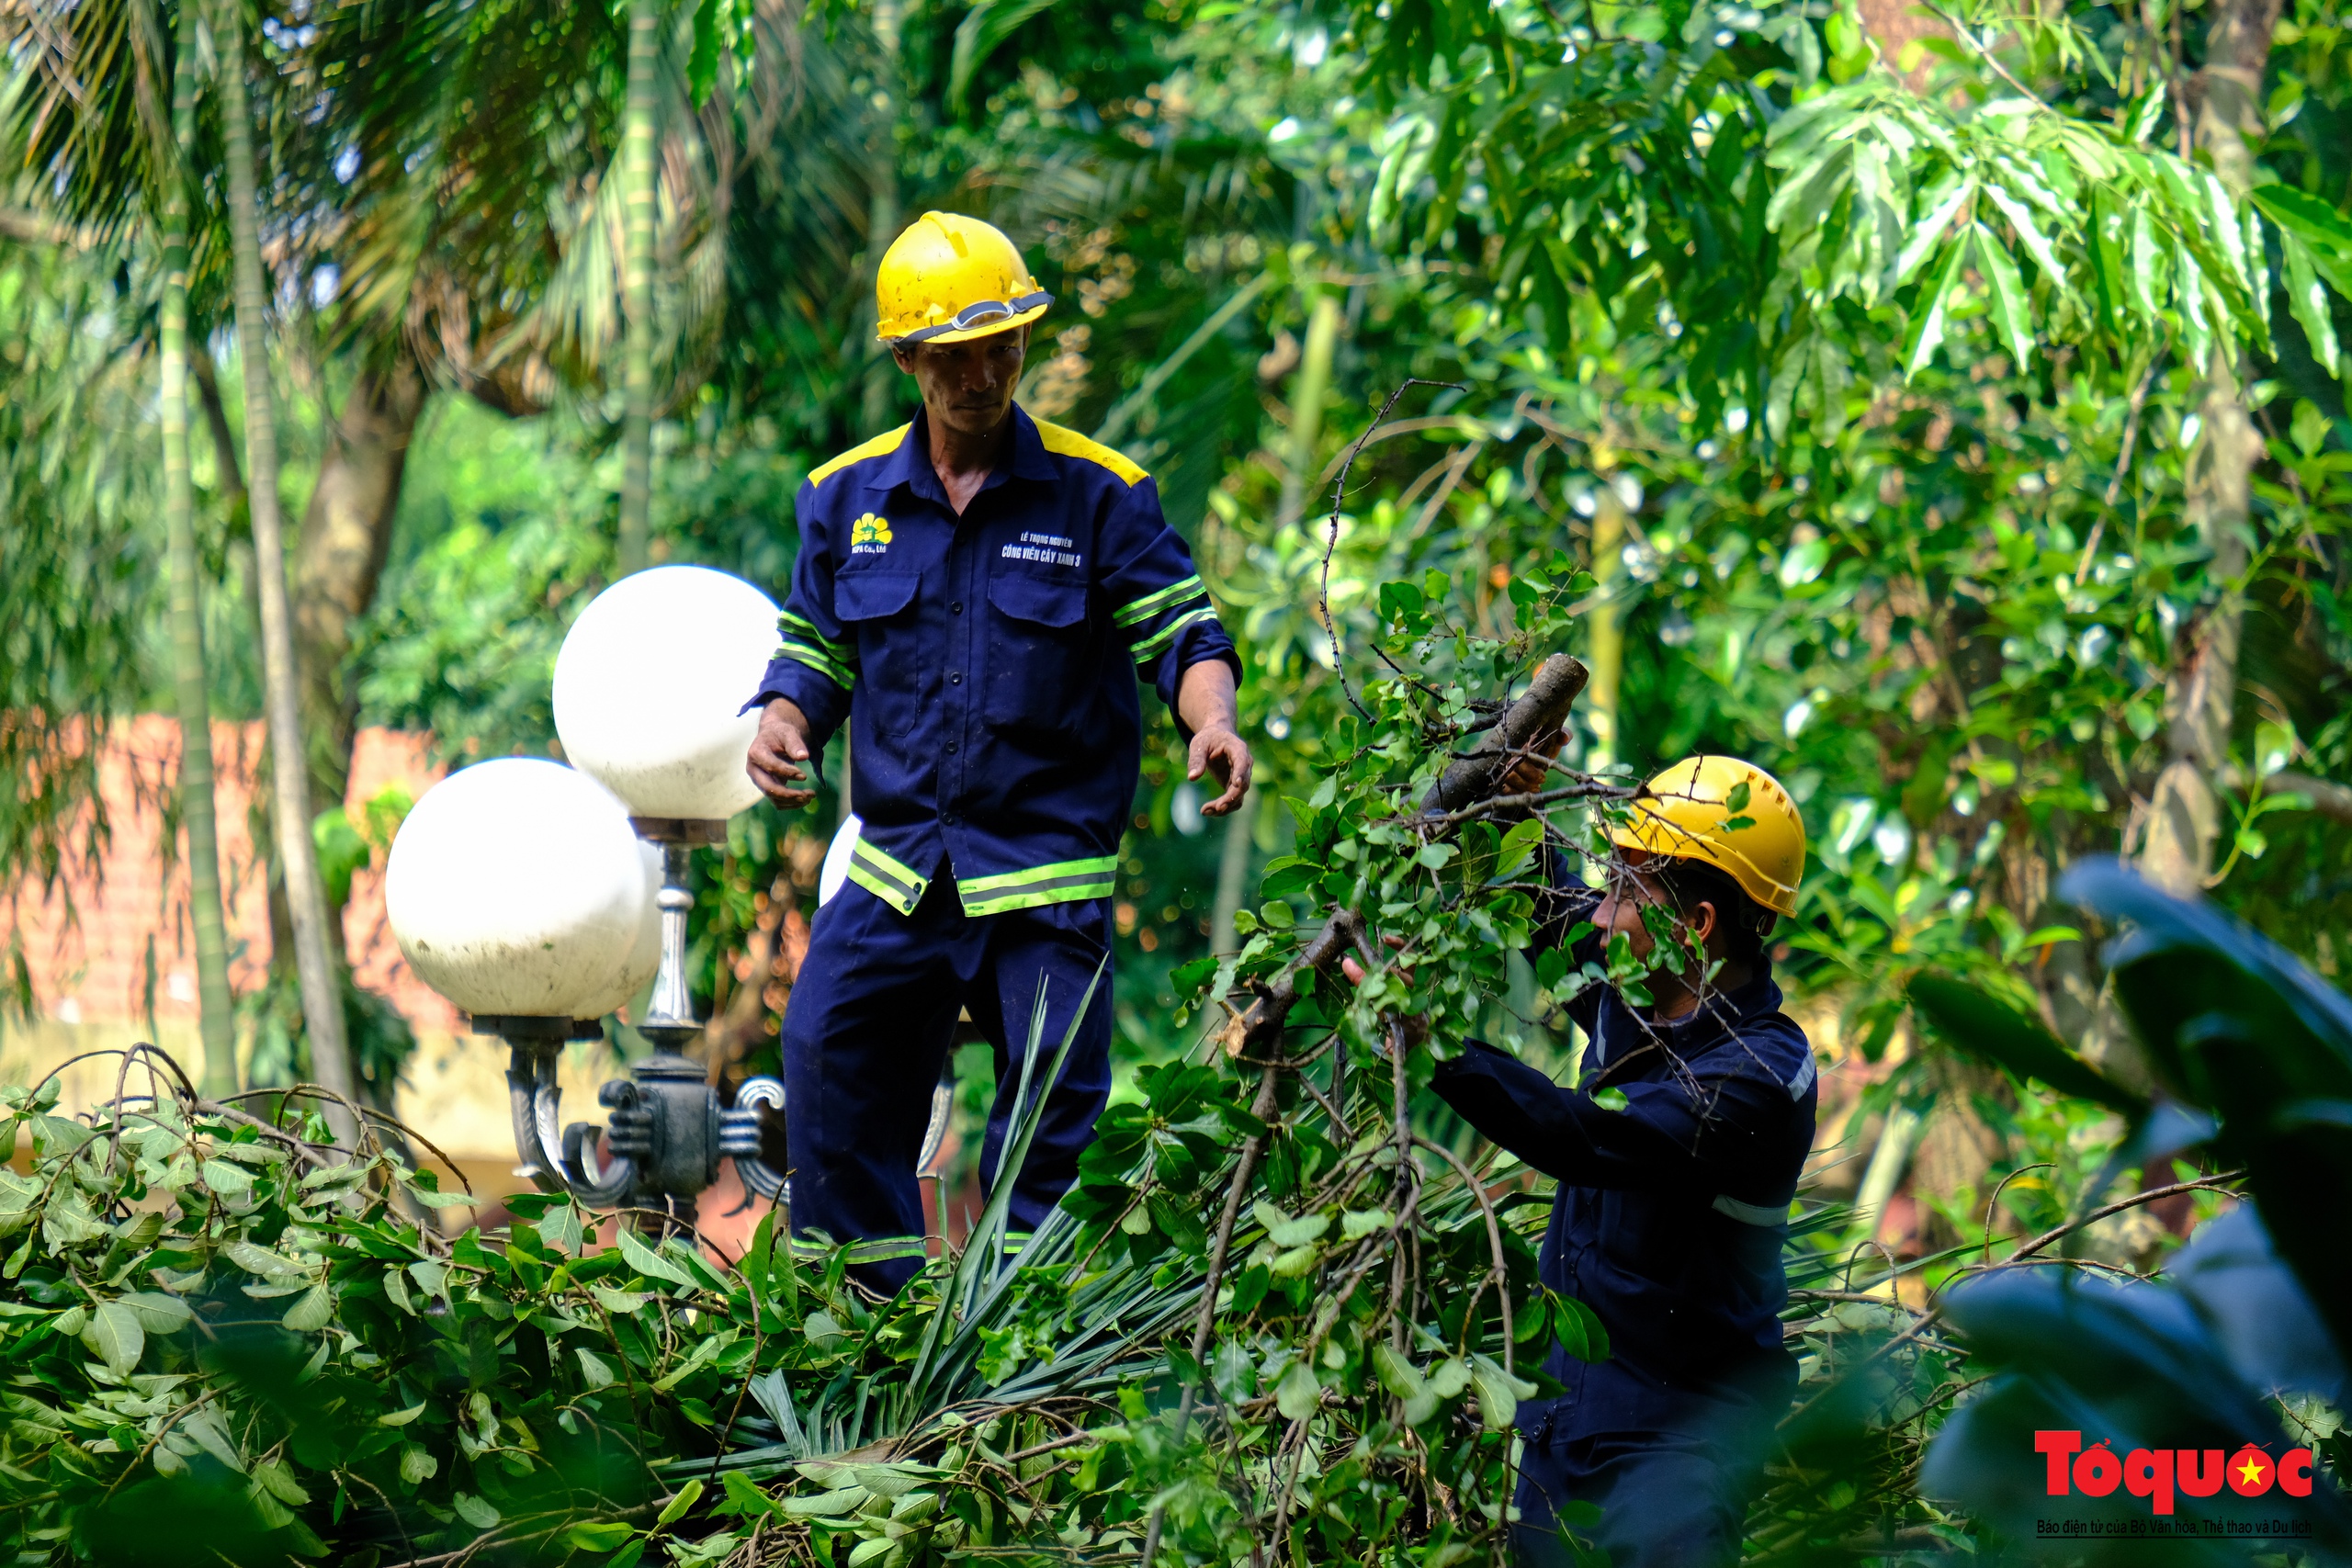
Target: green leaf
[
  {"x": 1929, "y": 231},
  {"x": 593, "y": 1369},
  {"x": 2308, "y": 303},
  {"x": 702, "y": 65},
  {"x": 1298, "y": 1395},
  {"x": 1498, "y": 1392},
  {"x": 474, "y": 1511},
  {"x": 313, "y": 1311},
  {"x": 2012, "y": 315},
  {"x": 259, "y": 1259},
  {"x": 226, "y": 1177},
  {"x": 561, "y": 1228},
  {"x": 157, "y": 1312},
  {"x": 983, "y": 28},
  {"x": 205, "y": 1427},
  {"x": 2327, "y": 234},
  {"x": 2001, "y": 1034},
  {"x": 603, "y": 1535},
  {"x": 1610, "y": 1099},
  {"x": 675, "y": 1508},
  {"x": 649, "y": 1263},
  {"x": 825, "y": 1505},
  {"x": 402, "y": 1417},
  {"x": 2030, "y": 234},
  {"x": 1931, "y": 326},
  {"x": 744, "y": 1498},
  {"x": 280, "y": 1482},
  {"x": 1519, "y": 847},
  {"x": 114, "y": 1337}
]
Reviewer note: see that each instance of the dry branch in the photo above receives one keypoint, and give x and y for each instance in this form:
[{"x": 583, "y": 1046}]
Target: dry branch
[{"x": 1532, "y": 719}]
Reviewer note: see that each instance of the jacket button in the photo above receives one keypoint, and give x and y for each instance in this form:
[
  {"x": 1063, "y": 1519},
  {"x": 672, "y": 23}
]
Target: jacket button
[
  {"x": 951, "y": 748},
  {"x": 947, "y": 818},
  {"x": 955, "y": 606},
  {"x": 955, "y": 677}
]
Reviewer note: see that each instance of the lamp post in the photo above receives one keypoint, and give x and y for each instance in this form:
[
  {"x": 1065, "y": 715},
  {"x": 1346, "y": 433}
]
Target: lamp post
[{"x": 538, "y": 898}]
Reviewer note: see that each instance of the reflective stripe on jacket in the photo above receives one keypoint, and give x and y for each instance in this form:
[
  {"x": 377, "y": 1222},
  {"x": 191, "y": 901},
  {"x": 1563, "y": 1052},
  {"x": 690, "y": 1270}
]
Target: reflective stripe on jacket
[{"x": 989, "y": 663}]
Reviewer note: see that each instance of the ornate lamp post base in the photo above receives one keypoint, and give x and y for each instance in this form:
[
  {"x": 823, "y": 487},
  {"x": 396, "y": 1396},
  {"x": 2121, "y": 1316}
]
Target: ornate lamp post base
[{"x": 666, "y": 1132}]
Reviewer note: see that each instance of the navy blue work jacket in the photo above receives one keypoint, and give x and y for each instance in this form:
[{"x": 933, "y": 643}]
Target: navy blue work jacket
[
  {"x": 988, "y": 661},
  {"x": 1670, "y": 1213}
]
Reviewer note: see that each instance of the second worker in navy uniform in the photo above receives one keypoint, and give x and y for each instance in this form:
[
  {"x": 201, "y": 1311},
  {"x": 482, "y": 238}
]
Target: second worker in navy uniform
[
  {"x": 1677, "y": 1154},
  {"x": 979, "y": 593}
]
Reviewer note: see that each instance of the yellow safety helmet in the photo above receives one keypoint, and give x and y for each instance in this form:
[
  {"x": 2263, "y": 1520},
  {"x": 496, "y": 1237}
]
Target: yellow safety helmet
[
  {"x": 1687, "y": 812},
  {"x": 950, "y": 278}
]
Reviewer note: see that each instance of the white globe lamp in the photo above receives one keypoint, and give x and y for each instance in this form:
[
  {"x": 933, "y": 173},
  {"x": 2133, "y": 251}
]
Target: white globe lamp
[
  {"x": 648, "y": 687},
  {"x": 517, "y": 888}
]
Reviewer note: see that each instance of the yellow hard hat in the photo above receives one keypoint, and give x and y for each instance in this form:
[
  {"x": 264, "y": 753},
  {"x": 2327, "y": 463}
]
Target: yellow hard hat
[
  {"x": 950, "y": 278},
  {"x": 1689, "y": 811}
]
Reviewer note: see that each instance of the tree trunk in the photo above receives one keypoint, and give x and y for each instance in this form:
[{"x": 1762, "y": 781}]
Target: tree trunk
[
  {"x": 882, "y": 215},
  {"x": 637, "y": 284},
  {"x": 1607, "y": 620},
  {"x": 2185, "y": 810},
  {"x": 216, "y": 1005},
  {"x": 339, "y": 557},
  {"x": 313, "y": 955}
]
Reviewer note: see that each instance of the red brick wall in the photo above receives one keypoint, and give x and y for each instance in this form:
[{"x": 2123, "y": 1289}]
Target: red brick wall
[{"x": 87, "y": 943}]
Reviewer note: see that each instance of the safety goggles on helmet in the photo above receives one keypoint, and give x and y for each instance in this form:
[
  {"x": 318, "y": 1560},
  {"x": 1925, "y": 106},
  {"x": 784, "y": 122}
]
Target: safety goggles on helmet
[{"x": 978, "y": 313}]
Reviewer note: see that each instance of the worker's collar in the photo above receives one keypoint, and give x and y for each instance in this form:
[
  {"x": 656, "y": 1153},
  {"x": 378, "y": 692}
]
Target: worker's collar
[
  {"x": 1718, "y": 1010},
  {"x": 910, "y": 463}
]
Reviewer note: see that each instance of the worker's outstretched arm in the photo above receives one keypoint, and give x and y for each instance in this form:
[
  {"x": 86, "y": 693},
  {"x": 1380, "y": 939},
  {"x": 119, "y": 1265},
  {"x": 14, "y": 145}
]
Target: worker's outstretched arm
[
  {"x": 1162, "y": 611},
  {"x": 1700, "y": 1130}
]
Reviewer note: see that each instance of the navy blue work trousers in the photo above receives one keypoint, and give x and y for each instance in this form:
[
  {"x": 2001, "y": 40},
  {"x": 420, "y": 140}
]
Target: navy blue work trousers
[
  {"x": 868, "y": 1027},
  {"x": 1673, "y": 1493}
]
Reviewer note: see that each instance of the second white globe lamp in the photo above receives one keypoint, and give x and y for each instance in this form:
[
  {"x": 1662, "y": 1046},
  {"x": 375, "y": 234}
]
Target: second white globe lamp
[{"x": 649, "y": 683}]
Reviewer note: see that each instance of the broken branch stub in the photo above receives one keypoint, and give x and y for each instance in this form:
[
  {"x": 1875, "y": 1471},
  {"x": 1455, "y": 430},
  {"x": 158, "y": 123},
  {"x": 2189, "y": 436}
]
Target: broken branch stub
[
  {"x": 1544, "y": 709},
  {"x": 1262, "y": 1020}
]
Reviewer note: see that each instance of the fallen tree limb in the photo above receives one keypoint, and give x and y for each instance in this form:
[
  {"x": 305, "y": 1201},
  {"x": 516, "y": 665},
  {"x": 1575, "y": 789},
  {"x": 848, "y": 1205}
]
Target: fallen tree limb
[{"x": 1559, "y": 679}]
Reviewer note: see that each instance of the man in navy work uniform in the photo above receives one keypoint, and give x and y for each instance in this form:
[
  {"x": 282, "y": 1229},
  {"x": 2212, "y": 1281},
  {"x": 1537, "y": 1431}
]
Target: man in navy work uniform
[
  {"x": 1673, "y": 1207},
  {"x": 979, "y": 593}
]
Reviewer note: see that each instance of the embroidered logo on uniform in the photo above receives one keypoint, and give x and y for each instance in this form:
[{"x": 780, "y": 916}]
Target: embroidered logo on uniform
[
  {"x": 1052, "y": 548},
  {"x": 869, "y": 535}
]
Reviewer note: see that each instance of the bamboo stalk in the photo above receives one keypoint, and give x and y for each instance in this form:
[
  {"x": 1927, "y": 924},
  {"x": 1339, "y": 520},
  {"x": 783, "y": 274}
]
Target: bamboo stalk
[
  {"x": 191, "y": 684},
  {"x": 636, "y": 285},
  {"x": 313, "y": 956}
]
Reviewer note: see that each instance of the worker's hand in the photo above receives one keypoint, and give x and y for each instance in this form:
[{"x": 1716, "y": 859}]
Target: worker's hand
[
  {"x": 781, "y": 741},
  {"x": 1356, "y": 972},
  {"x": 1527, "y": 776},
  {"x": 1409, "y": 1029},
  {"x": 1204, "y": 702},
  {"x": 1221, "y": 751}
]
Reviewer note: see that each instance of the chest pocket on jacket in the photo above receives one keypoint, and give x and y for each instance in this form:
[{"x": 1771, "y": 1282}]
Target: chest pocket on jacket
[
  {"x": 896, "y": 674},
  {"x": 1040, "y": 655}
]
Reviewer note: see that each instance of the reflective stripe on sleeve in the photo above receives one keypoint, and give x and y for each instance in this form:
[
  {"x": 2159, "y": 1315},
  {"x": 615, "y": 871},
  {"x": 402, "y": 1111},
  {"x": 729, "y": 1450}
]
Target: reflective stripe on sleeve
[
  {"x": 799, "y": 629},
  {"x": 884, "y": 877},
  {"x": 1151, "y": 605},
  {"x": 1060, "y": 883},
  {"x": 1751, "y": 1213},
  {"x": 1158, "y": 643},
  {"x": 817, "y": 659}
]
